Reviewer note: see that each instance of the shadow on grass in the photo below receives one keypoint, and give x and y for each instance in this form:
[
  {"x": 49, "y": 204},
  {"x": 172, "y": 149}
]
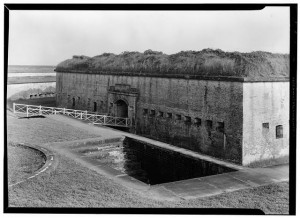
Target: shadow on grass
[{"x": 37, "y": 116}]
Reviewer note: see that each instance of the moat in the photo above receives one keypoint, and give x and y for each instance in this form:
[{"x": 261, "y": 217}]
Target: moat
[{"x": 151, "y": 164}]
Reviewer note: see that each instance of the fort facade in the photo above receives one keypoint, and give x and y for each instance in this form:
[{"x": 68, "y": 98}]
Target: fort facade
[{"x": 240, "y": 119}]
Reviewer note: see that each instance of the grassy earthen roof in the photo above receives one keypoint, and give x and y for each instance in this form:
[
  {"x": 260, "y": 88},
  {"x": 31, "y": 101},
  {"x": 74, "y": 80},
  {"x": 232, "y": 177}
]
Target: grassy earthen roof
[{"x": 207, "y": 62}]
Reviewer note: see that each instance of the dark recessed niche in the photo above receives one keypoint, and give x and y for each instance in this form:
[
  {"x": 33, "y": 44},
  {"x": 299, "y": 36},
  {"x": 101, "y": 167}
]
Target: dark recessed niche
[
  {"x": 160, "y": 114},
  {"x": 197, "y": 121},
  {"x": 145, "y": 111},
  {"x": 178, "y": 117},
  {"x": 169, "y": 115},
  {"x": 152, "y": 113}
]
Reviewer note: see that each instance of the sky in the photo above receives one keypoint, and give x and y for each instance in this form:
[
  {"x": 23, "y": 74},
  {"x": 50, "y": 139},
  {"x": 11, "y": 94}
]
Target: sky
[{"x": 50, "y": 37}]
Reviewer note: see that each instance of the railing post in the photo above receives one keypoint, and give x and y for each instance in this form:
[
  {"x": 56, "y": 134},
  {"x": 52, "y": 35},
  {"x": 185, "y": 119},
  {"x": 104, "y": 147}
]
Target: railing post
[
  {"x": 40, "y": 111},
  {"x": 64, "y": 111},
  {"x": 14, "y": 107},
  {"x": 126, "y": 121},
  {"x": 81, "y": 115},
  {"x": 26, "y": 111},
  {"x": 104, "y": 119}
]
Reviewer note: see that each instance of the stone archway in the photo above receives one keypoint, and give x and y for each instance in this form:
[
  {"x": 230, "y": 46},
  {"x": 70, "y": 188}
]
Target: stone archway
[
  {"x": 122, "y": 102},
  {"x": 121, "y": 108}
]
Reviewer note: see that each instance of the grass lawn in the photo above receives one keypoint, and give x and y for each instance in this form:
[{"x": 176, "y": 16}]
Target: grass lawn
[
  {"x": 22, "y": 162},
  {"x": 73, "y": 185}
]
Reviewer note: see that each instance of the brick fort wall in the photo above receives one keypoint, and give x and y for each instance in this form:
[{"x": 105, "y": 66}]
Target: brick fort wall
[{"x": 205, "y": 116}]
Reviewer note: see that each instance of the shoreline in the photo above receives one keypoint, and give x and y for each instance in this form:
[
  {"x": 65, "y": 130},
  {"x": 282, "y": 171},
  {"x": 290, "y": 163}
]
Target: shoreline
[{"x": 30, "y": 79}]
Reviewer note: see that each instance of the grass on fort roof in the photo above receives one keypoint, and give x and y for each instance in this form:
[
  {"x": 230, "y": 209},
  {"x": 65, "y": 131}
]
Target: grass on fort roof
[
  {"x": 207, "y": 62},
  {"x": 73, "y": 185}
]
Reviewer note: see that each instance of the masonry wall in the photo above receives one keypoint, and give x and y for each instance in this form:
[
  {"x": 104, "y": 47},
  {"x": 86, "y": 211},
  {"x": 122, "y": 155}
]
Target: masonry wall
[
  {"x": 211, "y": 111},
  {"x": 205, "y": 102},
  {"x": 266, "y": 107}
]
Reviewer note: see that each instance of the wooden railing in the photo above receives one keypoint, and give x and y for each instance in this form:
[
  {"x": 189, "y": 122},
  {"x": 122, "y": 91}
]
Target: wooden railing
[{"x": 98, "y": 119}]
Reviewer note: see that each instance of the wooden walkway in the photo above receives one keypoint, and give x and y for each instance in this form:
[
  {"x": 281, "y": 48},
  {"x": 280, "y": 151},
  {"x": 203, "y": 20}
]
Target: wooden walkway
[{"x": 99, "y": 119}]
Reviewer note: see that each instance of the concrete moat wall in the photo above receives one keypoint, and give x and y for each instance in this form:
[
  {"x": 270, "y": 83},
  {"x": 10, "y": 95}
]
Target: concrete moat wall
[
  {"x": 266, "y": 121},
  {"x": 201, "y": 115}
]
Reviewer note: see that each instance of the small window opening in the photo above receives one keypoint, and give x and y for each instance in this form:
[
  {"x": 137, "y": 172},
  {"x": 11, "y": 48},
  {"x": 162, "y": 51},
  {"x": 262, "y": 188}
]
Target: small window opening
[
  {"x": 178, "y": 117},
  {"x": 160, "y": 114},
  {"x": 197, "y": 121},
  {"x": 169, "y": 115},
  {"x": 220, "y": 127},
  {"x": 187, "y": 120},
  {"x": 152, "y": 113},
  {"x": 265, "y": 125},
  {"x": 279, "y": 131},
  {"x": 265, "y": 128},
  {"x": 145, "y": 111},
  {"x": 209, "y": 124}
]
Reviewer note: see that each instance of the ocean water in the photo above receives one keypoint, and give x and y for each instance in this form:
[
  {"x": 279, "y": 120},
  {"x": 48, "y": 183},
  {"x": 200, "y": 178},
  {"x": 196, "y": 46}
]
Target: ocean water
[{"x": 28, "y": 70}]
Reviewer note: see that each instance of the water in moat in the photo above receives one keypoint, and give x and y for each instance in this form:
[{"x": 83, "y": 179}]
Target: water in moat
[{"x": 151, "y": 164}]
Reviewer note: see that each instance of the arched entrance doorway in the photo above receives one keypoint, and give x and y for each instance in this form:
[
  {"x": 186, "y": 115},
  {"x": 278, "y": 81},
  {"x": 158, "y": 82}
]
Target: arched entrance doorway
[{"x": 122, "y": 108}]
